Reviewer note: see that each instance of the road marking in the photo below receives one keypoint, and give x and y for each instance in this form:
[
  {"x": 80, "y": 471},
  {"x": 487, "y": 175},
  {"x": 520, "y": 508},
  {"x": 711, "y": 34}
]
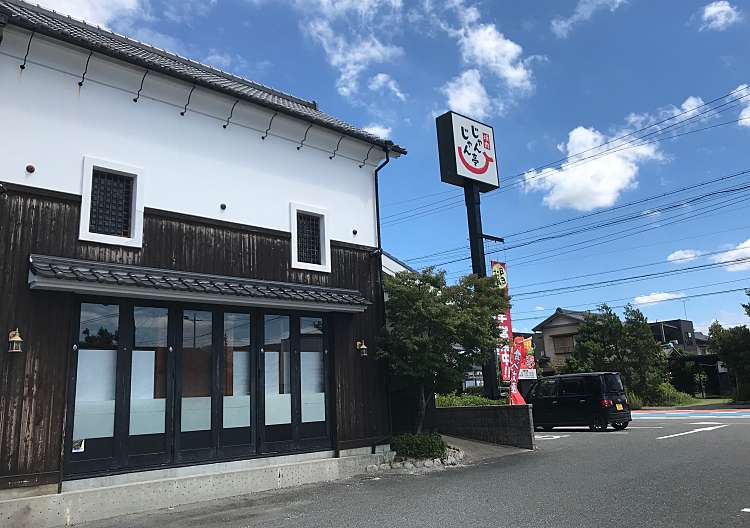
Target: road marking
[
  {"x": 694, "y": 431},
  {"x": 745, "y": 510},
  {"x": 550, "y": 437}
]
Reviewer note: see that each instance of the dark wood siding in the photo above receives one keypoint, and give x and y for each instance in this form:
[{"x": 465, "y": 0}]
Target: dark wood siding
[{"x": 32, "y": 384}]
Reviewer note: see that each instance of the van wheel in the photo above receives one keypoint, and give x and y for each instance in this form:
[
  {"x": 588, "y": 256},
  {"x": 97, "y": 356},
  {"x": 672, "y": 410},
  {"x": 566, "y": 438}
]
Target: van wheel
[
  {"x": 619, "y": 426},
  {"x": 598, "y": 425}
]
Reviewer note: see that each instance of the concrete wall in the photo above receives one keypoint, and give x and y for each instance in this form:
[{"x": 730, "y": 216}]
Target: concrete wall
[
  {"x": 511, "y": 425},
  {"x": 188, "y": 164}
]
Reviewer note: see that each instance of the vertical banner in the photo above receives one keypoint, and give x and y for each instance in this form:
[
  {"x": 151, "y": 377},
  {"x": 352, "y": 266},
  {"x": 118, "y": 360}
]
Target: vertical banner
[
  {"x": 528, "y": 361},
  {"x": 499, "y": 271}
]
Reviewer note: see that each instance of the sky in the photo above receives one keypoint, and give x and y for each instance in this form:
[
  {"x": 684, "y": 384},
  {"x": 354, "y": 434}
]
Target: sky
[{"x": 595, "y": 105}]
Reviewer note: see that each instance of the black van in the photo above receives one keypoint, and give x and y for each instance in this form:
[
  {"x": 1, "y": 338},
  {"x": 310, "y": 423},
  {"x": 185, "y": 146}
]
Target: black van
[{"x": 596, "y": 399}]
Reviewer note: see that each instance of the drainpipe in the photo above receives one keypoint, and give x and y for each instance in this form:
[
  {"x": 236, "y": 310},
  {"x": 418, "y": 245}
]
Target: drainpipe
[{"x": 3, "y": 22}]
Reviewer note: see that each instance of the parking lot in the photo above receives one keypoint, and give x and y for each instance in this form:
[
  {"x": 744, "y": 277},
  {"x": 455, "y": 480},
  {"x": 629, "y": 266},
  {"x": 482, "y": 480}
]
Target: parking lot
[{"x": 667, "y": 469}]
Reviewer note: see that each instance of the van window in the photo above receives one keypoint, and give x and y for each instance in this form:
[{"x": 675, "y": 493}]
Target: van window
[
  {"x": 613, "y": 383},
  {"x": 569, "y": 387},
  {"x": 546, "y": 388}
]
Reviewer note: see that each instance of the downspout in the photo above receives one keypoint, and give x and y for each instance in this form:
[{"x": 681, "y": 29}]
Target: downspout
[
  {"x": 3, "y": 22},
  {"x": 380, "y": 272}
]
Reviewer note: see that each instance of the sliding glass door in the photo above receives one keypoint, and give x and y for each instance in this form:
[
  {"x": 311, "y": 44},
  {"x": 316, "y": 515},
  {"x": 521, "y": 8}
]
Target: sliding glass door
[{"x": 161, "y": 384}]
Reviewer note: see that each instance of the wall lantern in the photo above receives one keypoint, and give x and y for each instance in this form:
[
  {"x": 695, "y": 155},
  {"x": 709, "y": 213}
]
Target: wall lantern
[
  {"x": 362, "y": 348},
  {"x": 15, "y": 342}
]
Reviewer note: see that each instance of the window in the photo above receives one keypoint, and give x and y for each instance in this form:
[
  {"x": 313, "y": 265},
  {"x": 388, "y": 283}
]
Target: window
[
  {"x": 111, "y": 205},
  {"x": 613, "y": 383},
  {"x": 571, "y": 387},
  {"x": 546, "y": 388},
  {"x": 308, "y": 238},
  {"x": 310, "y": 241},
  {"x": 563, "y": 344}
]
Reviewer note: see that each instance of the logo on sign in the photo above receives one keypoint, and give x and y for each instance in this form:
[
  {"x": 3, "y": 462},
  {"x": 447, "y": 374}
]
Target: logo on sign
[{"x": 474, "y": 147}]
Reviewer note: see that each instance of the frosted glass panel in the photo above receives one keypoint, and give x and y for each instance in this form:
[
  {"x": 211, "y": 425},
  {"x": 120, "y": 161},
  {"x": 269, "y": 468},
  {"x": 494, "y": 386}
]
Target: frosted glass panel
[
  {"x": 196, "y": 370},
  {"x": 237, "y": 399},
  {"x": 148, "y": 371},
  {"x": 312, "y": 365},
  {"x": 95, "y": 394},
  {"x": 277, "y": 360}
]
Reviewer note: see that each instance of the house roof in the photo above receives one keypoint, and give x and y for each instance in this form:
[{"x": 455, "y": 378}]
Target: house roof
[
  {"x": 96, "y": 39},
  {"x": 574, "y": 314},
  {"x": 100, "y": 278}
]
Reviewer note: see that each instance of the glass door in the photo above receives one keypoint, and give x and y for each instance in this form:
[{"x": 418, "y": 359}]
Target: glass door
[
  {"x": 149, "y": 404},
  {"x": 238, "y": 384},
  {"x": 277, "y": 382},
  {"x": 196, "y": 377}
]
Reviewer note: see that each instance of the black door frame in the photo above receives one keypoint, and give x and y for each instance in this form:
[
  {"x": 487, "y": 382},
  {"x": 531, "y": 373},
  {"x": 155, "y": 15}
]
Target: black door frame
[{"x": 123, "y": 462}]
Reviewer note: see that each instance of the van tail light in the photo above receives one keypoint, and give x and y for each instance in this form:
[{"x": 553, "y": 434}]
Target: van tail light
[{"x": 605, "y": 403}]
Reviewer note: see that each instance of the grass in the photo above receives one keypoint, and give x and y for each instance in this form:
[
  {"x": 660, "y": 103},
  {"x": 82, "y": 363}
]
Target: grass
[{"x": 463, "y": 400}]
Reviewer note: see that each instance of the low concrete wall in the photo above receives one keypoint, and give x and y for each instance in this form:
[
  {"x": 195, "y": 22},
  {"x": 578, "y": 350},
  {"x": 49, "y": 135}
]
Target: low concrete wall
[
  {"x": 511, "y": 425},
  {"x": 83, "y": 505}
]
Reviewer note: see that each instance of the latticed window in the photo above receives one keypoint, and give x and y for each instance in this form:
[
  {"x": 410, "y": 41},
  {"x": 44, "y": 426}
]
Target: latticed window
[
  {"x": 111, "y": 203},
  {"x": 308, "y": 238}
]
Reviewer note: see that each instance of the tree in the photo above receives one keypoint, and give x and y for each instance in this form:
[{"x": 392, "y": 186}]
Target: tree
[
  {"x": 435, "y": 332},
  {"x": 605, "y": 343},
  {"x": 733, "y": 347}
]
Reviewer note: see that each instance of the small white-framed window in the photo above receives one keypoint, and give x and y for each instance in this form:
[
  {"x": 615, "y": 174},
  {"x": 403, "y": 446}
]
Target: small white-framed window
[
  {"x": 111, "y": 203},
  {"x": 311, "y": 245}
]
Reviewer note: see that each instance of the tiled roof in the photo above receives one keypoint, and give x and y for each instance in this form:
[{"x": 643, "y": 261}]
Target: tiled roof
[
  {"x": 64, "y": 28},
  {"x": 74, "y": 271}
]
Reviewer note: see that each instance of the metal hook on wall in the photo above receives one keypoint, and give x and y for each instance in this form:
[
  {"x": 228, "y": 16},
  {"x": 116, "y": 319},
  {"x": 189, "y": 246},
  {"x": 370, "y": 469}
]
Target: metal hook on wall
[
  {"x": 138, "y": 95},
  {"x": 86, "y": 69},
  {"x": 28, "y": 47},
  {"x": 264, "y": 136},
  {"x": 301, "y": 143},
  {"x": 231, "y": 113},
  {"x": 364, "y": 161},
  {"x": 188, "y": 101},
  {"x": 336, "y": 149}
]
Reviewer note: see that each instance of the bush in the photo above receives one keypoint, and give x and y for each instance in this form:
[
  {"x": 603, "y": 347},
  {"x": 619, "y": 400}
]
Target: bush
[
  {"x": 424, "y": 445},
  {"x": 666, "y": 395},
  {"x": 463, "y": 400},
  {"x": 474, "y": 391},
  {"x": 634, "y": 400}
]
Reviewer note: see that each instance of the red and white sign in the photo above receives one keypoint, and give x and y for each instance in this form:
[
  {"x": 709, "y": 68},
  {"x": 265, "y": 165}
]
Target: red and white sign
[
  {"x": 499, "y": 271},
  {"x": 467, "y": 152}
]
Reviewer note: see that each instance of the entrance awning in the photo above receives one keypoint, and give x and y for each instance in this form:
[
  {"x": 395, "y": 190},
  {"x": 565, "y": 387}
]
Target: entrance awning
[{"x": 118, "y": 280}]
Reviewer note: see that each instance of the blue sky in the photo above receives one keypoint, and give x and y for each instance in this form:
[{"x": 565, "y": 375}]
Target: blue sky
[{"x": 553, "y": 78}]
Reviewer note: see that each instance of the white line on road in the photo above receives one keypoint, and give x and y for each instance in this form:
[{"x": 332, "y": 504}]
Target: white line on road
[
  {"x": 745, "y": 510},
  {"x": 693, "y": 431}
]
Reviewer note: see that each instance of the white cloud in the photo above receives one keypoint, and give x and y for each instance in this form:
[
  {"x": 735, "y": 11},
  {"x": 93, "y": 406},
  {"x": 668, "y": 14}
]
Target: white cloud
[
  {"x": 718, "y": 16},
  {"x": 379, "y": 130},
  {"x": 586, "y": 184},
  {"x": 726, "y": 318},
  {"x": 97, "y": 12},
  {"x": 224, "y": 60},
  {"x": 183, "y": 11},
  {"x": 684, "y": 255},
  {"x": 466, "y": 95},
  {"x": 539, "y": 308},
  {"x": 350, "y": 58},
  {"x": 364, "y": 9},
  {"x": 743, "y": 89},
  {"x": 383, "y": 80},
  {"x": 657, "y": 297},
  {"x": 583, "y": 12},
  {"x": 484, "y": 46},
  {"x": 742, "y": 251}
]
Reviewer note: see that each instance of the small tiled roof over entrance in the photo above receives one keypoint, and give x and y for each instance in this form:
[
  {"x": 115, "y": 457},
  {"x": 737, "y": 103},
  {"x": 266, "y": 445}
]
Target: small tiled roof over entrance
[
  {"x": 96, "y": 39},
  {"x": 98, "y": 278}
]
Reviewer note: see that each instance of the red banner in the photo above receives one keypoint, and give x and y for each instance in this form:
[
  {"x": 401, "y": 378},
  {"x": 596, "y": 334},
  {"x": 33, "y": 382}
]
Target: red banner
[{"x": 504, "y": 323}]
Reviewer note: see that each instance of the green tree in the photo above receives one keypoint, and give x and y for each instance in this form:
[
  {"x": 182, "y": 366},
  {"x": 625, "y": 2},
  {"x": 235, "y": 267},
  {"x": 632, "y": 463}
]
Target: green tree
[
  {"x": 604, "y": 342},
  {"x": 436, "y": 332},
  {"x": 733, "y": 347}
]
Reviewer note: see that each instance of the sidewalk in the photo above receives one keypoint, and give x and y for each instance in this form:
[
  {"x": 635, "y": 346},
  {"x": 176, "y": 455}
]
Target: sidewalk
[{"x": 476, "y": 452}]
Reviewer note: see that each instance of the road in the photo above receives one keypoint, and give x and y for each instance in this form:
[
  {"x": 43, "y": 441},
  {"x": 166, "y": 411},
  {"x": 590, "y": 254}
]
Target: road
[{"x": 675, "y": 469}]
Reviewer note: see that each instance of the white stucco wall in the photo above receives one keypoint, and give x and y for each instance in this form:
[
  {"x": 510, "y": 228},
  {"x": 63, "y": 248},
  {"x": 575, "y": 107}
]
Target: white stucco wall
[
  {"x": 189, "y": 164},
  {"x": 560, "y": 326}
]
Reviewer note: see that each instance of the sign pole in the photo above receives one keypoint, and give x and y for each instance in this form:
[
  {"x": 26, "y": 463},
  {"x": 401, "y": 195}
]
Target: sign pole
[{"x": 479, "y": 268}]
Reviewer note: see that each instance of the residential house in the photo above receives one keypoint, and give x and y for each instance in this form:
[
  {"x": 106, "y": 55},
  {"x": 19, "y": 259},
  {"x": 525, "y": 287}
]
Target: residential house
[
  {"x": 558, "y": 331},
  {"x": 191, "y": 260}
]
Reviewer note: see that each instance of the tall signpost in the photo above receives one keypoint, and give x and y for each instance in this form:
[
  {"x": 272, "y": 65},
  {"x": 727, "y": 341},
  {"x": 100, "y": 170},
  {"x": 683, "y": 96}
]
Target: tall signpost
[{"x": 467, "y": 158}]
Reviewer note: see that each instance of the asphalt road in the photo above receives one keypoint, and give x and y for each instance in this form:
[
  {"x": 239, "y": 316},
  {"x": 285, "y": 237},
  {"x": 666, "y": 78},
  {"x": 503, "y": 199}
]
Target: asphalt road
[{"x": 576, "y": 478}]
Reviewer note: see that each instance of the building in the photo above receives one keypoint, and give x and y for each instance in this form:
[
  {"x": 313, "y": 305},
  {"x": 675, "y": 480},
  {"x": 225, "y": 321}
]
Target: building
[
  {"x": 679, "y": 333},
  {"x": 559, "y": 332},
  {"x": 192, "y": 261}
]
